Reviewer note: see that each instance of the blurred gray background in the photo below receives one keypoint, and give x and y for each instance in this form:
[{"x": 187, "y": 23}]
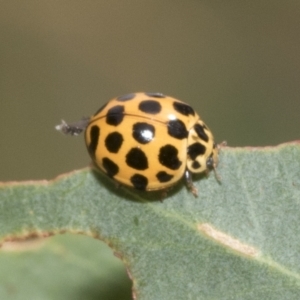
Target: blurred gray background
[{"x": 237, "y": 62}]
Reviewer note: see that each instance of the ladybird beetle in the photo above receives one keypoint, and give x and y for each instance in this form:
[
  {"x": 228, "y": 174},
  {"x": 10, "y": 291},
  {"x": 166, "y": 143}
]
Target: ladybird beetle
[{"x": 147, "y": 141}]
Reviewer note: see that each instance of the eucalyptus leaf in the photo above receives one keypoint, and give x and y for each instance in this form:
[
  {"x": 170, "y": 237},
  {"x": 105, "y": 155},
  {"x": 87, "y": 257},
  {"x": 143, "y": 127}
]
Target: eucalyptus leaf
[{"x": 238, "y": 240}]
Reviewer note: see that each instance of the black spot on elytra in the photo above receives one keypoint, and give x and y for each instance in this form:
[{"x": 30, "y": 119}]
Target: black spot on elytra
[
  {"x": 94, "y": 137},
  {"x": 110, "y": 167},
  {"x": 156, "y": 95},
  {"x": 163, "y": 176},
  {"x": 115, "y": 115},
  {"x": 177, "y": 129},
  {"x": 150, "y": 107},
  {"x": 137, "y": 159},
  {"x": 113, "y": 142},
  {"x": 100, "y": 109},
  {"x": 195, "y": 149},
  {"x": 183, "y": 108},
  {"x": 126, "y": 97},
  {"x": 200, "y": 132},
  {"x": 196, "y": 164},
  {"x": 168, "y": 157},
  {"x": 139, "y": 181},
  {"x": 143, "y": 132}
]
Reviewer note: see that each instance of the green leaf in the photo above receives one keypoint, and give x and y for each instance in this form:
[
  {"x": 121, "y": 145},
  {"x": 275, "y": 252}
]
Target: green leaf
[
  {"x": 60, "y": 268},
  {"x": 238, "y": 240}
]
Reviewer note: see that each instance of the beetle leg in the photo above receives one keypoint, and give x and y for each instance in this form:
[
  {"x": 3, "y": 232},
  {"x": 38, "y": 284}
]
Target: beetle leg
[
  {"x": 189, "y": 183},
  {"x": 73, "y": 128}
]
